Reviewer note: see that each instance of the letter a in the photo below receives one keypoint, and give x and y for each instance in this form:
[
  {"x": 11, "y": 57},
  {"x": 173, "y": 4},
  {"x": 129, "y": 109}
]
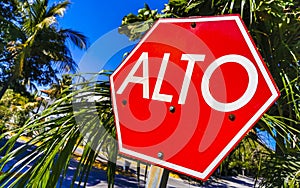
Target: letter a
[{"x": 139, "y": 80}]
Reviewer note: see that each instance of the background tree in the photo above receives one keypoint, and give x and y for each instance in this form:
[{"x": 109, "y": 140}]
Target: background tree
[
  {"x": 38, "y": 50},
  {"x": 9, "y": 32},
  {"x": 15, "y": 110}
]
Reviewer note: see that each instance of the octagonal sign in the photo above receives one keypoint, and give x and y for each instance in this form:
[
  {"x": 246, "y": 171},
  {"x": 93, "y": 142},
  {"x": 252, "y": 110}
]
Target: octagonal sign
[{"x": 188, "y": 93}]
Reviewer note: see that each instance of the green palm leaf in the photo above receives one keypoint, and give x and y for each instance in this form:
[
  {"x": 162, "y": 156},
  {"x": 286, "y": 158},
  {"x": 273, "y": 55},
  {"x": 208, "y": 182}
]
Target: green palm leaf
[{"x": 73, "y": 122}]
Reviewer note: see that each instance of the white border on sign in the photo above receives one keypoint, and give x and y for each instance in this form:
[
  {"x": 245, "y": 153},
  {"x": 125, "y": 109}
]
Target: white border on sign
[{"x": 256, "y": 116}]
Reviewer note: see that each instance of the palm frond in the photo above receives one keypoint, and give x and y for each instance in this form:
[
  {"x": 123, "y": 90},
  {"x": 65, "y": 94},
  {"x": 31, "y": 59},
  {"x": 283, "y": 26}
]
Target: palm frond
[
  {"x": 72, "y": 121},
  {"x": 75, "y": 37},
  {"x": 58, "y": 9}
]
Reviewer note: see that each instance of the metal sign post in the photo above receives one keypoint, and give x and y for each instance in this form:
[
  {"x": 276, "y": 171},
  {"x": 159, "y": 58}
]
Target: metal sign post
[{"x": 157, "y": 177}]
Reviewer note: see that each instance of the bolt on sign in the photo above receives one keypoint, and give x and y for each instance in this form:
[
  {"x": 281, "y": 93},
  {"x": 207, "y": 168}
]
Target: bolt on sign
[{"x": 188, "y": 93}]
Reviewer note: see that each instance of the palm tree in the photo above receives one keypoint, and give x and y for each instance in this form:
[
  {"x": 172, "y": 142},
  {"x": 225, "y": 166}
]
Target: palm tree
[{"x": 40, "y": 51}]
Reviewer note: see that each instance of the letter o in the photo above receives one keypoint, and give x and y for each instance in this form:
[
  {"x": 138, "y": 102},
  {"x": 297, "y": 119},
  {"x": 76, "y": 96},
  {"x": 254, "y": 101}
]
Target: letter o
[{"x": 245, "y": 98}]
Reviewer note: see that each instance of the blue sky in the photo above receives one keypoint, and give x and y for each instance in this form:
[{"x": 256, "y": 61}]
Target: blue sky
[{"x": 95, "y": 18}]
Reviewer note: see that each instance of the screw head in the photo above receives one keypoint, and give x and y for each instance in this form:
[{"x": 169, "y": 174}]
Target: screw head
[
  {"x": 231, "y": 117},
  {"x": 193, "y": 25},
  {"x": 160, "y": 155},
  {"x": 124, "y": 102},
  {"x": 172, "y": 109}
]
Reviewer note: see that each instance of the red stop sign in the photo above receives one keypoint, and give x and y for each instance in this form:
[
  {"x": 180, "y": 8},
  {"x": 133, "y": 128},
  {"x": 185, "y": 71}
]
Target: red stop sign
[{"x": 189, "y": 91}]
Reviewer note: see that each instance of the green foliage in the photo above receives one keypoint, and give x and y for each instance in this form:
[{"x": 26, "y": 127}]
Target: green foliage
[
  {"x": 283, "y": 171},
  {"x": 56, "y": 90},
  {"x": 184, "y": 8},
  {"x": 15, "y": 109},
  {"x": 9, "y": 32},
  {"x": 72, "y": 121},
  {"x": 246, "y": 157},
  {"x": 38, "y": 50},
  {"x": 275, "y": 28},
  {"x": 134, "y": 26}
]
